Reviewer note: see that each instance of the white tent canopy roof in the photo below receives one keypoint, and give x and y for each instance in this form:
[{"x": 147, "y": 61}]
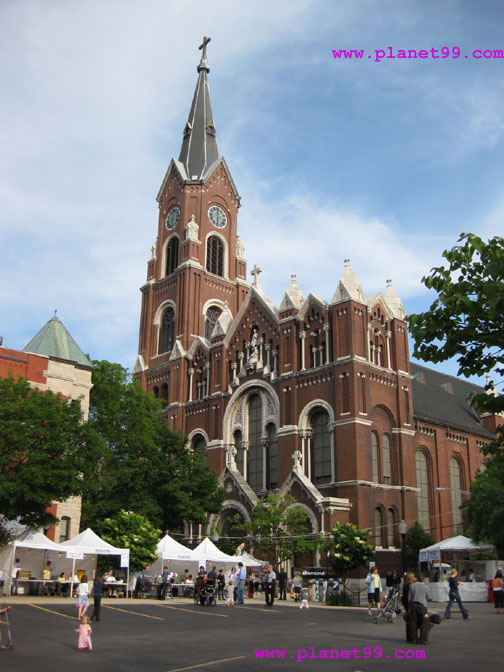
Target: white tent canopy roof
[
  {"x": 36, "y": 539},
  {"x": 89, "y": 543},
  {"x": 459, "y": 543},
  {"x": 207, "y": 549},
  {"x": 249, "y": 560},
  {"x": 170, "y": 549}
]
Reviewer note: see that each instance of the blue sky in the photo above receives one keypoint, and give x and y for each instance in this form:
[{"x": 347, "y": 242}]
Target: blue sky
[{"x": 385, "y": 163}]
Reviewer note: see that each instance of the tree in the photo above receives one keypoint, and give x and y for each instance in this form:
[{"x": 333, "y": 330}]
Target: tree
[
  {"x": 465, "y": 321},
  {"x": 44, "y": 449},
  {"x": 485, "y": 506},
  {"x": 416, "y": 538},
  {"x": 131, "y": 530},
  {"x": 348, "y": 548},
  {"x": 281, "y": 527},
  {"x": 143, "y": 467}
]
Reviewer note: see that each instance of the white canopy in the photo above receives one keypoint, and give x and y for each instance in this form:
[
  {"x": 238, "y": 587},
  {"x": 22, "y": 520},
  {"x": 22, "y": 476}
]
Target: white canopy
[
  {"x": 249, "y": 560},
  {"x": 452, "y": 545},
  {"x": 207, "y": 549},
  {"x": 89, "y": 543},
  {"x": 170, "y": 549},
  {"x": 35, "y": 539}
]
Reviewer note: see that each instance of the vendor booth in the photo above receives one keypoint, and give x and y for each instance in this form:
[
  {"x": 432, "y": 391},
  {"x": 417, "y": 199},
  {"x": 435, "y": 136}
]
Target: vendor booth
[
  {"x": 176, "y": 556},
  {"x": 474, "y": 591}
]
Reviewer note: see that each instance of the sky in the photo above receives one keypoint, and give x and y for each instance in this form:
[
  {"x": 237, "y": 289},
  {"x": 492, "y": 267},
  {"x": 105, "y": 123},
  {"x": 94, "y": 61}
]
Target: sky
[{"x": 384, "y": 163}]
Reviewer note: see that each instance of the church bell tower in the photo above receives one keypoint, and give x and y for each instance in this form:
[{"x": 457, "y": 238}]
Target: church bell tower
[{"x": 197, "y": 269}]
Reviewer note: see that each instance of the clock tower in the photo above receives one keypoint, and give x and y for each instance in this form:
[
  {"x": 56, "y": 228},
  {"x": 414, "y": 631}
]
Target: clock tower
[{"x": 197, "y": 271}]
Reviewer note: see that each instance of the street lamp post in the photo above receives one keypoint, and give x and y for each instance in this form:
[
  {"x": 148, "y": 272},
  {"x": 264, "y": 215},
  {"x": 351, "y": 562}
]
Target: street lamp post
[{"x": 403, "y": 529}]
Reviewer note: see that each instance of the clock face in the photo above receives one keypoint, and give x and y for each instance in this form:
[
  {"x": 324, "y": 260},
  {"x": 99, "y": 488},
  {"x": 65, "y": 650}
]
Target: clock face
[
  {"x": 173, "y": 218},
  {"x": 217, "y": 216}
]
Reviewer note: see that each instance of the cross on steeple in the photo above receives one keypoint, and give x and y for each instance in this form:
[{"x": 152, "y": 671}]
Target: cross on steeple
[
  {"x": 203, "y": 46},
  {"x": 255, "y": 272}
]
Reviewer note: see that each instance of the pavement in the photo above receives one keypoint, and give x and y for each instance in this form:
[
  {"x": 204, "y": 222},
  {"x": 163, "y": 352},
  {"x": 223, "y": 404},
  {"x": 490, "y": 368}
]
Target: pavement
[{"x": 178, "y": 636}]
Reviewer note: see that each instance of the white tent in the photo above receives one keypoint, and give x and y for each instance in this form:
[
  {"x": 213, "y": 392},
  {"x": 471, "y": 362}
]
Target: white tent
[
  {"x": 249, "y": 560},
  {"x": 208, "y": 550},
  {"x": 176, "y": 556},
  {"x": 451, "y": 545},
  {"x": 31, "y": 548}
]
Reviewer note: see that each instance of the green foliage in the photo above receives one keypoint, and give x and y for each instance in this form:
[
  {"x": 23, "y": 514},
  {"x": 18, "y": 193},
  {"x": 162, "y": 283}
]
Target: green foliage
[
  {"x": 143, "y": 467},
  {"x": 348, "y": 548},
  {"x": 44, "y": 448},
  {"x": 281, "y": 528},
  {"x": 416, "y": 538},
  {"x": 465, "y": 321},
  {"x": 485, "y": 507},
  {"x": 131, "y": 530},
  {"x": 340, "y": 599}
]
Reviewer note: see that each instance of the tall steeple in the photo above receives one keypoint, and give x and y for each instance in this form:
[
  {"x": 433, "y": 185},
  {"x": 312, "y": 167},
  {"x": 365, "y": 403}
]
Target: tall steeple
[{"x": 199, "y": 150}]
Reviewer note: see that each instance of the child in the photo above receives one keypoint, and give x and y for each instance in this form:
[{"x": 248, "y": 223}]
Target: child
[
  {"x": 84, "y": 631},
  {"x": 229, "y": 594},
  {"x": 83, "y": 592},
  {"x": 304, "y": 599}
]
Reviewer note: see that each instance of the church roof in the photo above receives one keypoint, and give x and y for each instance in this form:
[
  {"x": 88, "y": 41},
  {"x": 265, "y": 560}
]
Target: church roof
[
  {"x": 445, "y": 400},
  {"x": 349, "y": 286},
  {"x": 394, "y": 301},
  {"x": 53, "y": 340},
  {"x": 293, "y": 297},
  {"x": 199, "y": 151}
]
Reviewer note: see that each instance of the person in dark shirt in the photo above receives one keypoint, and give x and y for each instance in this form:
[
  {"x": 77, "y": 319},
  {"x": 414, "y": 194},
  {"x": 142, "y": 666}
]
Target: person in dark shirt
[
  {"x": 454, "y": 596},
  {"x": 417, "y": 623},
  {"x": 212, "y": 576},
  {"x": 97, "y": 595},
  {"x": 221, "y": 584}
]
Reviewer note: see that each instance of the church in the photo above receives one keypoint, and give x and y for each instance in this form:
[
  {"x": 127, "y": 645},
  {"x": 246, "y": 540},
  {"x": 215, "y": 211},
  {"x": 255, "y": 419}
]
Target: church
[{"x": 315, "y": 398}]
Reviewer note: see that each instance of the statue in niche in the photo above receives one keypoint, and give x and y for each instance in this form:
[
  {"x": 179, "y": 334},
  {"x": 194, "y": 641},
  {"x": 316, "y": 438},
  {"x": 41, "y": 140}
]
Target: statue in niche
[
  {"x": 192, "y": 229},
  {"x": 254, "y": 348},
  {"x": 154, "y": 250},
  {"x": 240, "y": 248}
]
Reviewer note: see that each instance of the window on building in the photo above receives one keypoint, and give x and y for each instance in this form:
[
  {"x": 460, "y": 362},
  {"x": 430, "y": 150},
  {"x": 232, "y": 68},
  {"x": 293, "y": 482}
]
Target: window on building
[
  {"x": 156, "y": 391},
  {"x": 215, "y": 256},
  {"x": 211, "y": 317},
  {"x": 391, "y": 528},
  {"x": 456, "y": 496},
  {"x": 422, "y": 477},
  {"x": 387, "y": 475},
  {"x": 320, "y": 448},
  {"x": 240, "y": 453},
  {"x": 378, "y": 525},
  {"x": 164, "y": 393},
  {"x": 374, "y": 458},
  {"x": 199, "y": 444},
  {"x": 167, "y": 333},
  {"x": 255, "y": 460},
  {"x": 172, "y": 255},
  {"x": 272, "y": 457},
  {"x": 64, "y": 529}
]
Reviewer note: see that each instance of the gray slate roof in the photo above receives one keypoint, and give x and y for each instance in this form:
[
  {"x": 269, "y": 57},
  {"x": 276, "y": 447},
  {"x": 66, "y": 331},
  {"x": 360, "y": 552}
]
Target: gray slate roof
[
  {"x": 445, "y": 400},
  {"x": 53, "y": 340}
]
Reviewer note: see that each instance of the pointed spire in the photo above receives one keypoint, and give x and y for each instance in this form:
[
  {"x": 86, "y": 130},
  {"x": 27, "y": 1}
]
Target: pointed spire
[
  {"x": 222, "y": 324},
  {"x": 53, "y": 340},
  {"x": 394, "y": 302},
  {"x": 349, "y": 286},
  {"x": 199, "y": 150},
  {"x": 293, "y": 297}
]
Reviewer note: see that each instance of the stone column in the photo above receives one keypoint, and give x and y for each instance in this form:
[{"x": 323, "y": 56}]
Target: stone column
[
  {"x": 267, "y": 348},
  {"x": 275, "y": 357},
  {"x": 207, "y": 367},
  {"x": 260, "y": 356},
  {"x": 190, "y": 372},
  {"x": 327, "y": 336},
  {"x": 302, "y": 336},
  {"x": 314, "y": 353},
  {"x": 241, "y": 357},
  {"x": 388, "y": 336},
  {"x": 369, "y": 326},
  {"x": 234, "y": 366},
  {"x": 321, "y": 351},
  {"x": 245, "y": 446},
  {"x": 265, "y": 443}
]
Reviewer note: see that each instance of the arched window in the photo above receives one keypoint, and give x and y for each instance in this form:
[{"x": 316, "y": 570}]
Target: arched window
[
  {"x": 320, "y": 448},
  {"x": 172, "y": 255},
  {"x": 64, "y": 529},
  {"x": 387, "y": 474},
  {"x": 422, "y": 477},
  {"x": 375, "y": 471},
  {"x": 166, "y": 337},
  {"x": 456, "y": 495},
  {"x": 199, "y": 444},
  {"x": 211, "y": 317},
  {"x": 255, "y": 461},
  {"x": 215, "y": 256},
  {"x": 391, "y": 528},
  {"x": 272, "y": 457},
  {"x": 240, "y": 453},
  {"x": 155, "y": 391},
  {"x": 378, "y": 525},
  {"x": 164, "y": 393}
]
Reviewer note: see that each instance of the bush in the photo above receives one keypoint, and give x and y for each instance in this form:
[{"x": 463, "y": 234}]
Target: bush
[{"x": 341, "y": 599}]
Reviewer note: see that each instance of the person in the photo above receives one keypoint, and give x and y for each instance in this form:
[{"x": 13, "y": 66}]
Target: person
[
  {"x": 282, "y": 584},
  {"x": 201, "y": 579},
  {"x": 221, "y": 584},
  {"x": 212, "y": 576},
  {"x": 297, "y": 584},
  {"x": 374, "y": 589},
  {"x": 233, "y": 585},
  {"x": 242, "y": 577},
  {"x": 82, "y": 593},
  {"x": 269, "y": 588},
  {"x": 409, "y": 578},
  {"x": 417, "y": 623},
  {"x": 46, "y": 571},
  {"x": 16, "y": 573},
  {"x": 472, "y": 576},
  {"x": 189, "y": 586},
  {"x": 98, "y": 582},
  {"x": 144, "y": 582},
  {"x": 498, "y": 592},
  {"x": 454, "y": 595},
  {"x": 85, "y": 632},
  {"x": 389, "y": 582},
  {"x": 251, "y": 585},
  {"x": 185, "y": 576},
  {"x": 163, "y": 586}
]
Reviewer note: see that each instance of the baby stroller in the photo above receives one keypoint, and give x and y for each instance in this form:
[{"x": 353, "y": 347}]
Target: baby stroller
[
  {"x": 390, "y": 610},
  {"x": 205, "y": 595},
  {"x": 5, "y": 621}
]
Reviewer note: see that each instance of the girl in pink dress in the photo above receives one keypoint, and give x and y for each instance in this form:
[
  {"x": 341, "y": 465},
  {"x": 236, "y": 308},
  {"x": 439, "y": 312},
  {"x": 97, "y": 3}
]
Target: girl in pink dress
[{"x": 84, "y": 631}]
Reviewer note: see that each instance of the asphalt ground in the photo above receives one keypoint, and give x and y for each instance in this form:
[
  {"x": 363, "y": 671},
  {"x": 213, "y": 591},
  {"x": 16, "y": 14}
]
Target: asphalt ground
[{"x": 177, "y": 636}]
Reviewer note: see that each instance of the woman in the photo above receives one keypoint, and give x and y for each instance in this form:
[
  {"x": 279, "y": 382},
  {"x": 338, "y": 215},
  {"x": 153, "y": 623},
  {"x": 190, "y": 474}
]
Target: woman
[
  {"x": 498, "y": 592},
  {"x": 374, "y": 589},
  {"x": 83, "y": 592},
  {"x": 97, "y": 595},
  {"x": 454, "y": 595},
  {"x": 408, "y": 580}
]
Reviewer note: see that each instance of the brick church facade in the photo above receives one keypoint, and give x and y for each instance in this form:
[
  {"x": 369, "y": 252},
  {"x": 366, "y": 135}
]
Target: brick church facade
[{"x": 313, "y": 398}]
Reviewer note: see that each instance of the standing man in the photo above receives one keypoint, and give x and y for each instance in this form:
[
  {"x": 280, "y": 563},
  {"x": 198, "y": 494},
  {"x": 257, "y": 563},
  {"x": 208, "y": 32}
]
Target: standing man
[
  {"x": 269, "y": 586},
  {"x": 417, "y": 625},
  {"x": 212, "y": 576},
  {"x": 282, "y": 581},
  {"x": 15, "y": 576},
  {"x": 165, "y": 578},
  {"x": 242, "y": 578},
  {"x": 221, "y": 584},
  {"x": 454, "y": 596}
]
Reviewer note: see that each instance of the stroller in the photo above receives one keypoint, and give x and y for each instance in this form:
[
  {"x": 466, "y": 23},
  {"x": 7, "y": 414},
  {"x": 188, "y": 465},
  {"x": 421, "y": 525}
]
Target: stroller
[
  {"x": 5, "y": 621},
  {"x": 205, "y": 595},
  {"x": 390, "y": 610}
]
